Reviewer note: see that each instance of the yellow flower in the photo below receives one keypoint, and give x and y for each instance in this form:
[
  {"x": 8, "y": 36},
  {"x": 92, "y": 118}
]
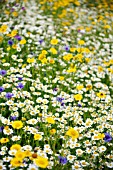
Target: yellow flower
[
  {"x": 4, "y": 140},
  {"x": 1, "y": 39},
  {"x": 72, "y": 133},
  {"x": 68, "y": 57},
  {"x": 14, "y": 46},
  {"x": 72, "y": 70},
  {"x": 8, "y": 48},
  {"x": 50, "y": 120},
  {"x": 78, "y": 97},
  {"x": 52, "y": 131},
  {"x": 107, "y": 27},
  {"x": 37, "y": 137},
  {"x": 79, "y": 87},
  {"x": 15, "y": 147},
  {"x": 100, "y": 68},
  {"x": 54, "y": 41},
  {"x": 14, "y": 33},
  {"x": 72, "y": 49},
  {"x": 101, "y": 95},
  {"x": 61, "y": 78},
  {"x": 20, "y": 155},
  {"x": 81, "y": 42},
  {"x": 15, "y": 162},
  {"x": 23, "y": 42},
  {"x": 15, "y": 14},
  {"x": 41, "y": 56},
  {"x": 17, "y": 124},
  {"x": 101, "y": 135},
  {"x": 79, "y": 57},
  {"x": 41, "y": 162},
  {"x": 3, "y": 28},
  {"x": 87, "y": 59},
  {"x": 51, "y": 61},
  {"x": 27, "y": 153},
  {"x": 53, "y": 50},
  {"x": 44, "y": 52},
  {"x": 89, "y": 87},
  {"x": 30, "y": 60},
  {"x": 44, "y": 61}
]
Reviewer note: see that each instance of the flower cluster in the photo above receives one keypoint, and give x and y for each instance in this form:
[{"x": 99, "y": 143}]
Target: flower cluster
[{"x": 56, "y": 85}]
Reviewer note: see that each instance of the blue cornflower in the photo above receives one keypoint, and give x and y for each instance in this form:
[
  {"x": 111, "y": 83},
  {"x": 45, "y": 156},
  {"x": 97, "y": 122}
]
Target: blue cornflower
[
  {"x": 79, "y": 105},
  {"x": 13, "y": 118},
  {"x": 3, "y": 72},
  {"x": 107, "y": 137},
  {"x": 1, "y": 89},
  {"x": 9, "y": 95},
  {"x": 67, "y": 48},
  {"x": 20, "y": 78},
  {"x": 41, "y": 41},
  {"x": 18, "y": 37},
  {"x": 62, "y": 104},
  {"x": 1, "y": 128},
  {"x": 62, "y": 160},
  {"x": 20, "y": 86},
  {"x": 59, "y": 99},
  {"x": 10, "y": 42}
]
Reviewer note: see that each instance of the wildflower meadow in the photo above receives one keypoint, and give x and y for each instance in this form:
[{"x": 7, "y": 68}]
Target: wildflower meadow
[{"x": 56, "y": 84}]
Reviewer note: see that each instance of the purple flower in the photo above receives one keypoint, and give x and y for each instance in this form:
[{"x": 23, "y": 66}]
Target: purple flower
[
  {"x": 3, "y": 72},
  {"x": 23, "y": 8},
  {"x": 20, "y": 86},
  {"x": 66, "y": 48},
  {"x": 59, "y": 99},
  {"x": 62, "y": 104},
  {"x": 41, "y": 41},
  {"x": 13, "y": 117},
  {"x": 12, "y": 10},
  {"x": 62, "y": 160},
  {"x": 10, "y": 42},
  {"x": 18, "y": 37},
  {"x": 55, "y": 89},
  {"x": 1, "y": 128},
  {"x": 20, "y": 78},
  {"x": 79, "y": 105},
  {"x": 9, "y": 95},
  {"x": 107, "y": 137},
  {"x": 1, "y": 89}
]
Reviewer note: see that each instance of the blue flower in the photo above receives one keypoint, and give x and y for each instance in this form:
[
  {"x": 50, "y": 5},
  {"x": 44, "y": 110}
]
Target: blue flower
[
  {"x": 18, "y": 37},
  {"x": 41, "y": 41},
  {"x": 20, "y": 86},
  {"x": 1, "y": 89},
  {"x": 79, "y": 105},
  {"x": 20, "y": 78},
  {"x": 13, "y": 118},
  {"x": 62, "y": 160},
  {"x": 3, "y": 72},
  {"x": 9, "y": 95},
  {"x": 59, "y": 99},
  {"x": 10, "y": 42},
  {"x": 1, "y": 128},
  {"x": 66, "y": 48},
  {"x": 107, "y": 137}
]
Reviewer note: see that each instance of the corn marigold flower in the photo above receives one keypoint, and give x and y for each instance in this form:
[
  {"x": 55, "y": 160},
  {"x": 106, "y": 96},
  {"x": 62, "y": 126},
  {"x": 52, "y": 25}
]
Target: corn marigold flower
[
  {"x": 41, "y": 162},
  {"x": 4, "y": 140},
  {"x": 37, "y": 137},
  {"x": 78, "y": 97},
  {"x": 17, "y": 124},
  {"x": 74, "y": 134},
  {"x": 15, "y": 147},
  {"x": 50, "y": 120}
]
